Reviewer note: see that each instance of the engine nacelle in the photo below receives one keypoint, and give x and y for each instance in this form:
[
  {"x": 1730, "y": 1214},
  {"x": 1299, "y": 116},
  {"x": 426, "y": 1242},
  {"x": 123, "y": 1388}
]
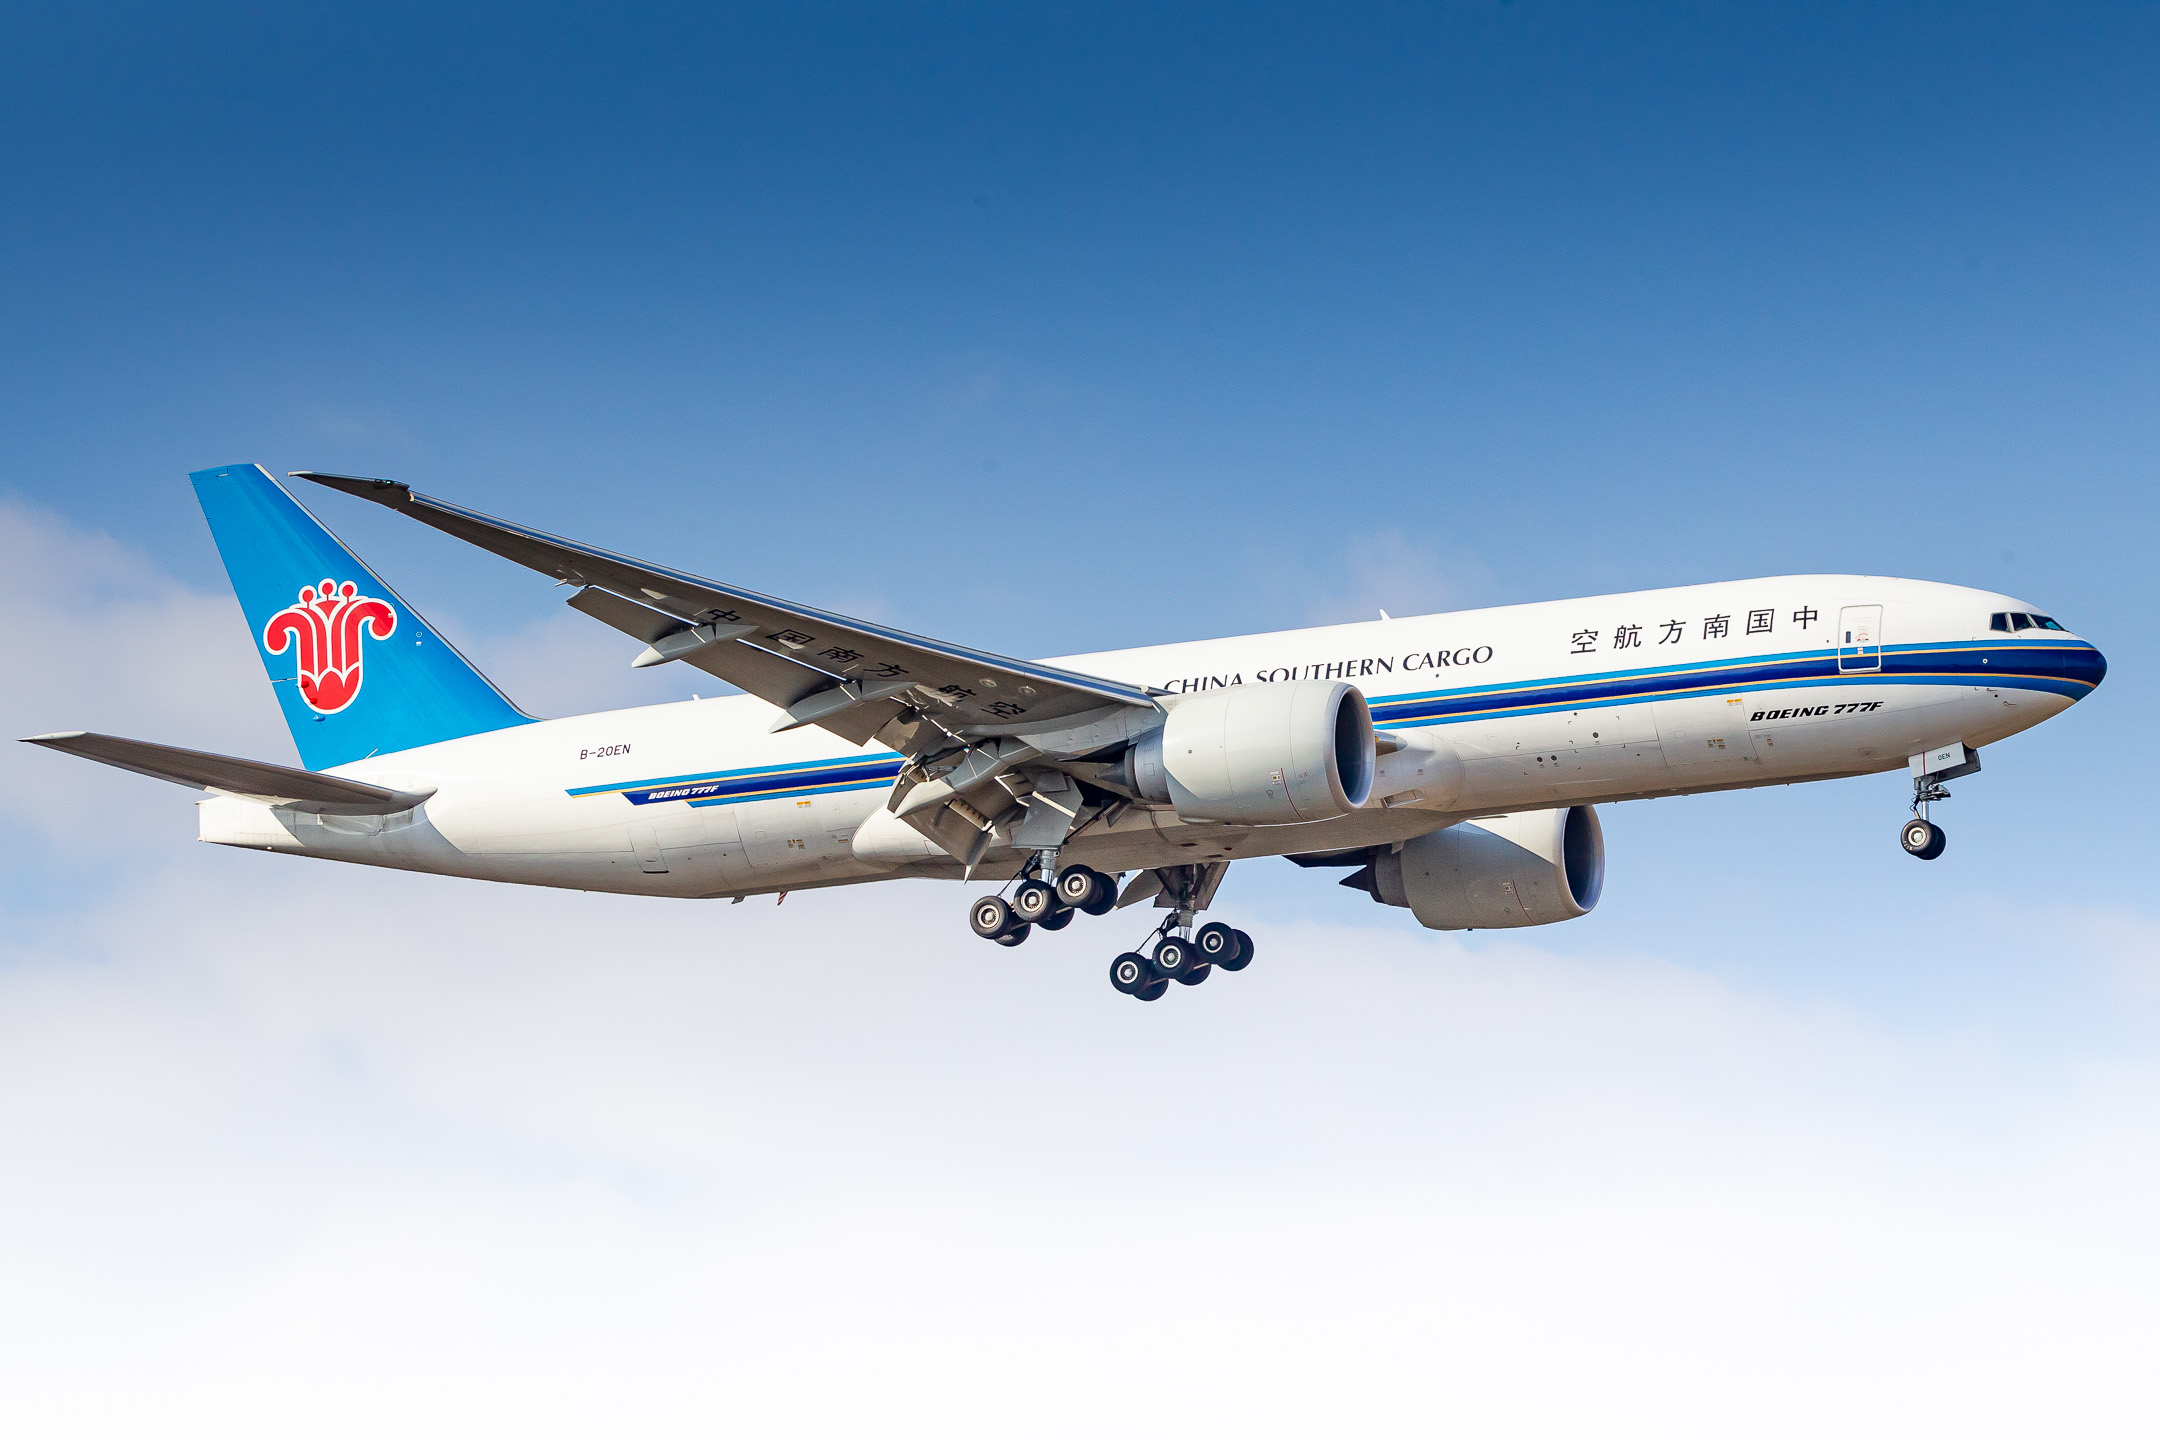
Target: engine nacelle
[
  {"x": 1264, "y": 754},
  {"x": 1506, "y": 870}
]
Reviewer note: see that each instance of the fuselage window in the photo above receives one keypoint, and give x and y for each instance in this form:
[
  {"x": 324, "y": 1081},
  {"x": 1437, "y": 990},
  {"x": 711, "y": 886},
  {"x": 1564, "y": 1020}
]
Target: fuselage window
[
  {"x": 2046, "y": 622},
  {"x": 1999, "y": 621},
  {"x": 2020, "y": 622}
]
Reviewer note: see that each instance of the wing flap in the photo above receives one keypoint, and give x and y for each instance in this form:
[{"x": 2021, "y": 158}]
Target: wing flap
[{"x": 254, "y": 779}]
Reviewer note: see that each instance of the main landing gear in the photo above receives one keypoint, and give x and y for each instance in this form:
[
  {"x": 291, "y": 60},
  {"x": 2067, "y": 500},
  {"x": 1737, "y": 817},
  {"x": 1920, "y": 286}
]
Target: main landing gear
[
  {"x": 1187, "y": 960},
  {"x": 1178, "y": 951},
  {"x": 1036, "y": 904}
]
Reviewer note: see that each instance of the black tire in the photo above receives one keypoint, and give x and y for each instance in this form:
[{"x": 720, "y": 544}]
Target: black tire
[
  {"x": 1014, "y": 936},
  {"x": 1172, "y": 957},
  {"x": 1055, "y": 920},
  {"x": 1244, "y": 953},
  {"x": 991, "y": 917},
  {"x": 1104, "y": 903},
  {"x": 1033, "y": 900},
  {"x": 1193, "y": 974},
  {"x": 1129, "y": 973},
  {"x": 1153, "y": 990},
  {"x": 1080, "y": 887},
  {"x": 1216, "y": 942},
  {"x": 1923, "y": 840}
]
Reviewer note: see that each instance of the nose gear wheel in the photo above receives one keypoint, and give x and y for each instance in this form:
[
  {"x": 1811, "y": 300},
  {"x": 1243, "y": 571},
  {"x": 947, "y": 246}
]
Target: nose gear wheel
[{"x": 1922, "y": 839}]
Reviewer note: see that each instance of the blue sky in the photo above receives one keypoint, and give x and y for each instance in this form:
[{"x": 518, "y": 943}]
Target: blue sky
[{"x": 1061, "y": 328}]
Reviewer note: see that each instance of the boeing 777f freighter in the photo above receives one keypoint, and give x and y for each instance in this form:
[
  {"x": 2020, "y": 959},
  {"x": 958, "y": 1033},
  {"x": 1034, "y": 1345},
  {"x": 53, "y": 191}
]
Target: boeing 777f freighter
[{"x": 1450, "y": 763}]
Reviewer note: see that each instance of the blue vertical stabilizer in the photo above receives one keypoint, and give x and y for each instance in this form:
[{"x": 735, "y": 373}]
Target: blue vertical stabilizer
[{"x": 356, "y": 670}]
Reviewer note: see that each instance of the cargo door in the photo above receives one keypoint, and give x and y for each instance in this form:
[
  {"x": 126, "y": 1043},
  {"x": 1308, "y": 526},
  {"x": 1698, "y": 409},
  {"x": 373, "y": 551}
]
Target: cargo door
[{"x": 1859, "y": 638}]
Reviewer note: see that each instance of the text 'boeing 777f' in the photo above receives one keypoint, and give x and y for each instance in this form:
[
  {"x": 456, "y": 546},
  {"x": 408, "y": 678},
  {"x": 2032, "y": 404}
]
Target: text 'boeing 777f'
[{"x": 1449, "y": 762}]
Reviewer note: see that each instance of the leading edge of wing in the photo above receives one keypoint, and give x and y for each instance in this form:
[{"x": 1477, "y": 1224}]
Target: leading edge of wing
[{"x": 557, "y": 557}]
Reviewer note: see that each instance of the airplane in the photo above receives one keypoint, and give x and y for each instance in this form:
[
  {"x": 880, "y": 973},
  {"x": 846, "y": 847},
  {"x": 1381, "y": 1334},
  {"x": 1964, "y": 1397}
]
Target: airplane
[{"x": 1450, "y": 763}]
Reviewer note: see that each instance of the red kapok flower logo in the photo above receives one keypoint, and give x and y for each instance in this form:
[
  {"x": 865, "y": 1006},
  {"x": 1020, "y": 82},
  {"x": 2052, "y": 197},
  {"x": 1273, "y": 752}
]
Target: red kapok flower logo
[{"x": 325, "y": 627}]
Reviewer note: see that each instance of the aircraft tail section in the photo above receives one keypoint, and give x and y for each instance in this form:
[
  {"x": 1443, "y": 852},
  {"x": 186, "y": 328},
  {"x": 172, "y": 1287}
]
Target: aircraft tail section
[{"x": 357, "y": 672}]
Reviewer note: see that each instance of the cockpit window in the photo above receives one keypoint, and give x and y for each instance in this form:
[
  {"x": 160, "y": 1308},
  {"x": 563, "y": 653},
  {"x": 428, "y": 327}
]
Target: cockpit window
[{"x": 2012, "y": 620}]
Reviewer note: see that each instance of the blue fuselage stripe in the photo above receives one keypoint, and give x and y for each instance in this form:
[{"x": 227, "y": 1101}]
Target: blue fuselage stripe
[
  {"x": 2070, "y": 670},
  {"x": 725, "y": 787}
]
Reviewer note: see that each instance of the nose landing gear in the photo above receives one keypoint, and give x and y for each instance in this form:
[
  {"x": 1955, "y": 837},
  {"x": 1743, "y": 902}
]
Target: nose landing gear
[{"x": 1922, "y": 838}]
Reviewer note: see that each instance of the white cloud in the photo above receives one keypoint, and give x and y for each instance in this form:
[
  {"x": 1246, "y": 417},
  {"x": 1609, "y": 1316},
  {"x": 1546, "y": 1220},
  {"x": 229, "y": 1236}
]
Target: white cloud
[
  {"x": 2126, "y": 946},
  {"x": 404, "y": 1152},
  {"x": 98, "y": 637}
]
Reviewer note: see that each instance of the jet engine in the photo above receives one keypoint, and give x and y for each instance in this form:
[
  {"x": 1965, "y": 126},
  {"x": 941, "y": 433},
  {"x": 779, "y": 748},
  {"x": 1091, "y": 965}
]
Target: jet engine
[
  {"x": 1278, "y": 753},
  {"x": 1506, "y": 870}
]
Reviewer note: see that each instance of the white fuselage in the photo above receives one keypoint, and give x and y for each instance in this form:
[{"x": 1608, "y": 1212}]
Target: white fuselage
[{"x": 1523, "y": 707}]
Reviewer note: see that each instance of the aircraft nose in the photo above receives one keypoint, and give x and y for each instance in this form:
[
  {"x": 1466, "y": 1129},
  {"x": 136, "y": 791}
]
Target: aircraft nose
[{"x": 2087, "y": 666}]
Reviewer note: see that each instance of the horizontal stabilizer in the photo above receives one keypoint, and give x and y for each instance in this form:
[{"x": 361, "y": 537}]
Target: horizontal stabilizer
[{"x": 255, "y": 779}]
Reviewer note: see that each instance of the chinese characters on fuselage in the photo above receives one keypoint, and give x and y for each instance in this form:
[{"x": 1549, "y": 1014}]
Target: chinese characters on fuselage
[{"x": 1671, "y": 632}]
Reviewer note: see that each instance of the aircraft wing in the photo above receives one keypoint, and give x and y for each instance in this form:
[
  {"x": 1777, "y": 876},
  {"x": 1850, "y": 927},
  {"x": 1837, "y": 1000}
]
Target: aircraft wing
[
  {"x": 255, "y": 779},
  {"x": 851, "y": 677}
]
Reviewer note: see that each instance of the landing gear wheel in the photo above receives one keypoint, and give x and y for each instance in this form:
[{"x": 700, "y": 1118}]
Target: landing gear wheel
[
  {"x": 1034, "y": 900},
  {"x": 991, "y": 917},
  {"x": 1055, "y": 920},
  {"x": 1244, "y": 953},
  {"x": 1922, "y": 839},
  {"x": 1172, "y": 958},
  {"x": 1129, "y": 973},
  {"x": 1216, "y": 943},
  {"x": 1193, "y": 974},
  {"x": 1153, "y": 990},
  {"x": 1085, "y": 889},
  {"x": 1014, "y": 936}
]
